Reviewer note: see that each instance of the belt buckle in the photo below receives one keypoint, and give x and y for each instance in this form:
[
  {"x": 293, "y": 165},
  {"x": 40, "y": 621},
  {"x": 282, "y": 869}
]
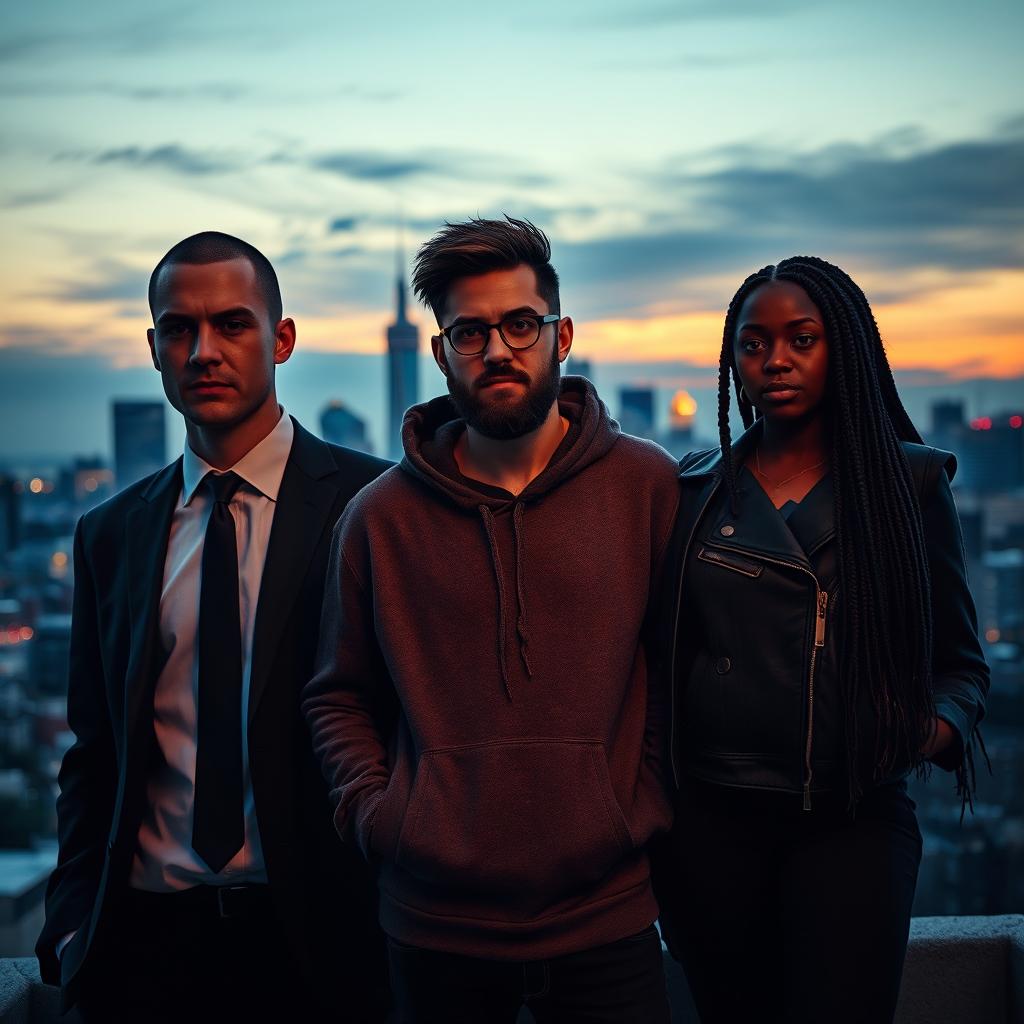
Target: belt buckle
[{"x": 225, "y": 911}]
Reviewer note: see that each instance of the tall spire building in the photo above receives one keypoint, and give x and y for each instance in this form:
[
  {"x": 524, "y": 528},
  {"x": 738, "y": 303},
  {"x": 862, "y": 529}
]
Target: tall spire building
[{"x": 403, "y": 371}]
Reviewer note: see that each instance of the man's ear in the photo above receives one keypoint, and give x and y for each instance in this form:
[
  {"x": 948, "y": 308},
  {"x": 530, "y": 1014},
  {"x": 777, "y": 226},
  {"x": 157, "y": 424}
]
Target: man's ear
[
  {"x": 440, "y": 356},
  {"x": 151, "y": 338},
  {"x": 564, "y": 338},
  {"x": 284, "y": 340}
]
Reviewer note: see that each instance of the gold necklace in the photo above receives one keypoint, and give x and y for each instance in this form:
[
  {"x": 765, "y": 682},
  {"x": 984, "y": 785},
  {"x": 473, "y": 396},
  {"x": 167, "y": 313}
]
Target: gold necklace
[{"x": 782, "y": 483}]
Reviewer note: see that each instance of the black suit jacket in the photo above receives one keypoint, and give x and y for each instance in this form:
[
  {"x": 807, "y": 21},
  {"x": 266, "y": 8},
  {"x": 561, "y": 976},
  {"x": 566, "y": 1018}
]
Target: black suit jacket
[{"x": 322, "y": 890}]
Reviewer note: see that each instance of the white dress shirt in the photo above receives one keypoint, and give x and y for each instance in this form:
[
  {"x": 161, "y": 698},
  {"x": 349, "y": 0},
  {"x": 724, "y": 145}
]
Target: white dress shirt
[{"x": 164, "y": 860}]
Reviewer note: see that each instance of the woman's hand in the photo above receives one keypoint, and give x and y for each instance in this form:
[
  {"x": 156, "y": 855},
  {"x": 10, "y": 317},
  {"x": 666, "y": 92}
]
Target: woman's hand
[{"x": 939, "y": 738}]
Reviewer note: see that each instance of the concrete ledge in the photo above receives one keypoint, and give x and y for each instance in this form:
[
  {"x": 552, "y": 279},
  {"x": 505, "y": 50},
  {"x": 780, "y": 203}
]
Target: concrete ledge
[
  {"x": 964, "y": 969},
  {"x": 18, "y": 979},
  {"x": 958, "y": 970}
]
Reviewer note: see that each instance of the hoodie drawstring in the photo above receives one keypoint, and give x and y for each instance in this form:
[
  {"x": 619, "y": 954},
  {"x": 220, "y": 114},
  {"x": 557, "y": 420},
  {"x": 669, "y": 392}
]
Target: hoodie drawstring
[
  {"x": 499, "y": 575},
  {"x": 488, "y": 518},
  {"x": 517, "y": 530}
]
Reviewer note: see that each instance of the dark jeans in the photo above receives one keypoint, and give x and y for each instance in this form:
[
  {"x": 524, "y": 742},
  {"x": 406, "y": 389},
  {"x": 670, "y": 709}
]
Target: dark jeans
[
  {"x": 621, "y": 983},
  {"x": 172, "y": 958},
  {"x": 781, "y": 914}
]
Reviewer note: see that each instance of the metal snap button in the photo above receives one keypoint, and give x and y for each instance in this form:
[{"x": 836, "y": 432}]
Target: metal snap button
[
  {"x": 722, "y": 666},
  {"x": 727, "y": 531}
]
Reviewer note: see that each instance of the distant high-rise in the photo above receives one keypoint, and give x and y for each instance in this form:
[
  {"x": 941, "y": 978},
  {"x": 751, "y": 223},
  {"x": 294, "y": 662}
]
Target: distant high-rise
[
  {"x": 48, "y": 655},
  {"x": 86, "y": 481},
  {"x": 947, "y": 415},
  {"x": 949, "y": 425},
  {"x": 581, "y": 367},
  {"x": 403, "y": 371},
  {"x": 10, "y": 513},
  {"x": 140, "y": 440},
  {"x": 636, "y": 411},
  {"x": 992, "y": 453},
  {"x": 340, "y": 425}
]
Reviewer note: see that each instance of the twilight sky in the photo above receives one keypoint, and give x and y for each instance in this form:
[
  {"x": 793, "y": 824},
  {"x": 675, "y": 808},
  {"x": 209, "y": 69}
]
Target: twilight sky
[{"x": 669, "y": 148}]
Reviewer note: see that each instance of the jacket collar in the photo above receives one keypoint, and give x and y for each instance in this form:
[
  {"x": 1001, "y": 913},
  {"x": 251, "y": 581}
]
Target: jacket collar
[
  {"x": 710, "y": 462},
  {"x": 756, "y": 526},
  {"x": 261, "y": 467},
  {"x": 147, "y": 527}
]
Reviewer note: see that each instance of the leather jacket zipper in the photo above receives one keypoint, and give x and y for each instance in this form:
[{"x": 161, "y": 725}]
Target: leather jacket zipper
[
  {"x": 820, "y": 617},
  {"x": 819, "y": 641}
]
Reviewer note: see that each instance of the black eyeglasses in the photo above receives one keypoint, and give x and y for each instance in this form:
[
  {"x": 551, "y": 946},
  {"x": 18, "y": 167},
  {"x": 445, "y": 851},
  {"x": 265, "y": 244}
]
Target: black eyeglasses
[{"x": 517, "y": 330}]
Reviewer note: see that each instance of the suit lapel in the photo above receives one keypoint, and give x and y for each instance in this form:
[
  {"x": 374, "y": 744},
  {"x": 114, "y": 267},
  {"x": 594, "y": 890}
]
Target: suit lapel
[
  {"x": 147, "y": 528},
  {"x": 305, "y": 502}
]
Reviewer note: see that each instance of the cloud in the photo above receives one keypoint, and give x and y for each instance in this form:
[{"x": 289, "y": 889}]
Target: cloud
[
  {"x": 169, "y": 157},
  {"x": 953, "y": 186},
  {"x": 223, "y": 91},
  {"x": 39, "y": 197},
  {"x": 75, "y": 29},
  {"x": 360, "y": 166},
  {"x": 28, "y": 343},
  {"x": 204, "y": 92},
  {"x": 110, "y": 282},
  {"x": 689, "y": 11},
  {"x": 896, "y": 204},
  {"x": 375, "y": 167},
  {"x": 342, "y": 225},
  {"x": 386, "y": 169},
  {"x": 694, "y": 62}
]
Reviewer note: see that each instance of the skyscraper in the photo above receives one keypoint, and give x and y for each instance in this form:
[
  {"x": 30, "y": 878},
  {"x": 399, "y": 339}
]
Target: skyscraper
[
  {"x": 140, "y": 442},
  {"x": 10, "y": 513},
  {"x": 580, "y": 367},
  {"x": 636, "y": 410},
  {"x": 403, "y": 371},
  {"x": 340, "y": 425}
]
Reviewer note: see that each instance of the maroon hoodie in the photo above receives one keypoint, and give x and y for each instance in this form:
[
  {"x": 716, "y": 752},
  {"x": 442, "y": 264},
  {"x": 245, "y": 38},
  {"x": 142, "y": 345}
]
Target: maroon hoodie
[{"x": 509, "y": 806}]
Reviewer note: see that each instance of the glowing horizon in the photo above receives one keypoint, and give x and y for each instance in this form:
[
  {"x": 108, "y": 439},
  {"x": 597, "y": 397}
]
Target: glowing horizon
[{"x": 650, "y": 151}]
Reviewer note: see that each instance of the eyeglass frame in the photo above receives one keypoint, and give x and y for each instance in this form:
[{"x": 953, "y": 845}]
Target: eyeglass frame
[{"x": 541, "y": 319}]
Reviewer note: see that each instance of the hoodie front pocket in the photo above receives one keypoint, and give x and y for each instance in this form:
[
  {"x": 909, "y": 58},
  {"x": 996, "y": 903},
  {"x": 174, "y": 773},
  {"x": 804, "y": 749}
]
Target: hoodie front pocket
[{"x": 528, "y": 822}]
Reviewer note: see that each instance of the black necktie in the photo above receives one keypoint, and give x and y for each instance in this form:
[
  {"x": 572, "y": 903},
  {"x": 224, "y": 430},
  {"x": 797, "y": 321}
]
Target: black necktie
[{"x": 218, "y": 826}]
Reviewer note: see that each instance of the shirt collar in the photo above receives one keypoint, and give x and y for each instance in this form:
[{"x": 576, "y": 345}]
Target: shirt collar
[{"x": 262, "y": 467}]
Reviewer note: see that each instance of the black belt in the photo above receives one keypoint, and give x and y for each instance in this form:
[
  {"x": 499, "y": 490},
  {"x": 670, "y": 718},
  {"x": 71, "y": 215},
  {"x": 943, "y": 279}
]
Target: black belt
[{"x": 230, "y": 902}]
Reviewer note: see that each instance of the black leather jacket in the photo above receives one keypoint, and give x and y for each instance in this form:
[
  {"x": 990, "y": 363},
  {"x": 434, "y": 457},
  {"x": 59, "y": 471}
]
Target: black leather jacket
[{"x": 753, "y": 638}]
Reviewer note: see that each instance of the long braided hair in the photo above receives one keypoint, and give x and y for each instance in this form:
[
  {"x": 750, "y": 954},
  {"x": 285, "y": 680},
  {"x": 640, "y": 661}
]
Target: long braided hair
[{"x": 885, "y": 610}]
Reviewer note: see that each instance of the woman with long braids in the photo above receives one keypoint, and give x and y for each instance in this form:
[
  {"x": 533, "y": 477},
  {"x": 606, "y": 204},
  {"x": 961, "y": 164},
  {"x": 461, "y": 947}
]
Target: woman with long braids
[{"x": 823, "y": 646}]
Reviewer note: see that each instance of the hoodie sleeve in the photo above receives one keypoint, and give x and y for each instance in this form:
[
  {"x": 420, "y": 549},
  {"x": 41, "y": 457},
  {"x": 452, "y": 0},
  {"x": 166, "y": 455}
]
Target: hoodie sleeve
[
  {"x": 342, "y": 702},
  {"x": 657, "y": 760}
]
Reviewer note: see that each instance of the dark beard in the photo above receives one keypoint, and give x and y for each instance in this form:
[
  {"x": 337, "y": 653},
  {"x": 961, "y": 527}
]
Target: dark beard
[{"x": 506, "y": 421}]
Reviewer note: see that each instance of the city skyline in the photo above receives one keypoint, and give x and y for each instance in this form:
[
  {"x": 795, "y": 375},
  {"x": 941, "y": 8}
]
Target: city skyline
[{"x": 668, "y": 150}]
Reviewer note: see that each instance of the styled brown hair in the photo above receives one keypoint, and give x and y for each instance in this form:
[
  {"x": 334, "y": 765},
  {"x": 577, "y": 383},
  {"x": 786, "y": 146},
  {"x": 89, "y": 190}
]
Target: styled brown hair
[{"x": 477, "y": 247}]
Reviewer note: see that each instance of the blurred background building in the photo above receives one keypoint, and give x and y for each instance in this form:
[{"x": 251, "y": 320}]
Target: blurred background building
[
  {"x": 340, "y": 425},
  {"x": 140, "y": 443}
]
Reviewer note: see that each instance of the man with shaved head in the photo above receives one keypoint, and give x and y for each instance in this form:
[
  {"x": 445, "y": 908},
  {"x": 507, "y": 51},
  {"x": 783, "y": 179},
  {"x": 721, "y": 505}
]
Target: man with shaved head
[{"x": 199, "y": 875}]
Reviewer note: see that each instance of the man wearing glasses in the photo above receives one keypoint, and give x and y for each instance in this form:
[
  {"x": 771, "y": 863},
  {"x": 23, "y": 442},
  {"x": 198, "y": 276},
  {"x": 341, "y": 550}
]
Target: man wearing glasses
[{"x": 495, "y": 586}]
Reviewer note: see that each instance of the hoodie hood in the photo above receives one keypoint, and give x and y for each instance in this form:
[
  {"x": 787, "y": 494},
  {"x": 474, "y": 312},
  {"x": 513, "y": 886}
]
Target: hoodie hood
[
  {"x": 429, "y": 435},
  {"x": 431, "y": 430}
]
